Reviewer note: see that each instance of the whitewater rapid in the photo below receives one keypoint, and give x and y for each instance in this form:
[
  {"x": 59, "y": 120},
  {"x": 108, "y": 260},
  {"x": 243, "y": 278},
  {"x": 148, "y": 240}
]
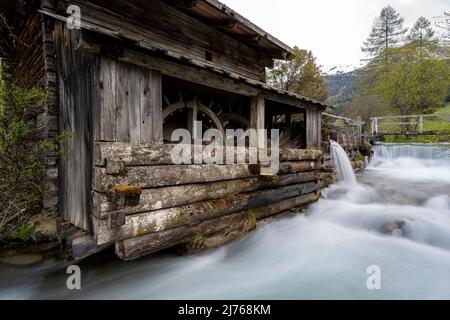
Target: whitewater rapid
[{"x": 396, "y": 217}]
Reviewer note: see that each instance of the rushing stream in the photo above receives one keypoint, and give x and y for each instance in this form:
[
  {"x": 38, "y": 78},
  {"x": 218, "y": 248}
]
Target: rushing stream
[{"x": 396, "y": 217}]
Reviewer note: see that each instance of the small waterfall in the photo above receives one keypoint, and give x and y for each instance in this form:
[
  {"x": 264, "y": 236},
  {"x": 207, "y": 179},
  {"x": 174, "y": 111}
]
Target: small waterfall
[
  {"x": 342, "y": 164},
  {"x": 413, "y": 150}
]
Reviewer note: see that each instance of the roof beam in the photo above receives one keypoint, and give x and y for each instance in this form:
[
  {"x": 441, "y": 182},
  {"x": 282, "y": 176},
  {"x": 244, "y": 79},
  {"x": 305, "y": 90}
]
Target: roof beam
[
  {"x": 247, "y": 37},
  {"x": 185, "y": 4},
  {"x": 222, "y": 23},
  {"x": 278, "y": 54}
]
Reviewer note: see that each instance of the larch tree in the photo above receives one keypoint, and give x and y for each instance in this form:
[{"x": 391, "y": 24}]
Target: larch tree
[
  {"x": 387, "y": 31},
  {"x": 301, "y": 75},
  {"x": 422, "y": 35}
]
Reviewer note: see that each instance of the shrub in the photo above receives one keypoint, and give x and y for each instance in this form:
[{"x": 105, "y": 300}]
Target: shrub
[{"x": 21, "y": 168}]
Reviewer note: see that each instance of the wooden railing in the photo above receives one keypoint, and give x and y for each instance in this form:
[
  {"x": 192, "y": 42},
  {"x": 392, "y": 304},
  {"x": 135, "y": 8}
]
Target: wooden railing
[
  {"x": 349, "y": 131},
  {"x": 412, "y": 124}
]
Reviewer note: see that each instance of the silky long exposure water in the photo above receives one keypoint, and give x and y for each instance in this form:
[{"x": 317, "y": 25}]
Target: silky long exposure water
[{"x": 396, "y": 217}]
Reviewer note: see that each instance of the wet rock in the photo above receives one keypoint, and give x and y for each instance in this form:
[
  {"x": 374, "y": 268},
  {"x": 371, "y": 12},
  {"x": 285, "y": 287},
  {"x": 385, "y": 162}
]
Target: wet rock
[
  {"x": 394, "y": 229},
  {"x": 22, "y": 259}
]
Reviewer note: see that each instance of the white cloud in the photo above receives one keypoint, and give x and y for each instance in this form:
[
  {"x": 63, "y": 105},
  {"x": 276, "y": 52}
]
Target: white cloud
[{"x": 333, "y": 30}]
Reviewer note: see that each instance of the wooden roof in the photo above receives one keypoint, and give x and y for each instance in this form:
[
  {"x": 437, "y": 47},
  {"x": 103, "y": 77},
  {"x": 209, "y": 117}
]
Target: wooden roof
[
  {"x": 278, "y": 94},
  {"x": 216, "y": 15},
  {"x": 219, "y": 16}
]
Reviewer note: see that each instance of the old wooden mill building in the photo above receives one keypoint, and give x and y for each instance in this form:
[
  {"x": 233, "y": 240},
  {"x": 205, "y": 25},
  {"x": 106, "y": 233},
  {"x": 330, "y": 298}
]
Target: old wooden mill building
[{"x": 120, "y": 82}]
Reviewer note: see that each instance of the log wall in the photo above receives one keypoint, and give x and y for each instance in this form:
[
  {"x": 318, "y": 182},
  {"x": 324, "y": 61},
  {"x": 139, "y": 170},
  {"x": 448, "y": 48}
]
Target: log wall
[{"x": 144, "y": 204}]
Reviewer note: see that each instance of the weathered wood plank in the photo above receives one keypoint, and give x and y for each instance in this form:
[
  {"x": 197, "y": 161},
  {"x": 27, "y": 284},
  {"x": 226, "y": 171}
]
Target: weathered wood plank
[
  {"x": 188, "y": 73},
  {"x": 157, "y": 26},
  {"x": 130, "y": 108},
  {"x": 146, "y": 106},
  {"x": 134, "y": 103},
  {"x": 165, "y": 197},
  {"x": 156, "y": 105},
  {"x": 123, "y": 102},
  {"x": 159, "y": 220},
  {"x": 167, "y": 175},
  {"x": 133, "y": 248},
  {"x": 287, "y": 204},
  {"x": 105, "y": 112},
  {"x": 313, "y": 128},
  {"x": 77, "y": 80},
  {"x": 158, "y": 153},
  {"x": 257, "y": 113},
  {"x": 170, "y": 175}
]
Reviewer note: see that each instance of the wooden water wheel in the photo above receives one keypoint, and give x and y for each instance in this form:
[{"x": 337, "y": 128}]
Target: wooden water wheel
[{"x": 204, "y": 113}]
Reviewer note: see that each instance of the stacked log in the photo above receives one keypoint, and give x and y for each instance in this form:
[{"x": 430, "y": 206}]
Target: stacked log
[{"x": 144, "y": 203}]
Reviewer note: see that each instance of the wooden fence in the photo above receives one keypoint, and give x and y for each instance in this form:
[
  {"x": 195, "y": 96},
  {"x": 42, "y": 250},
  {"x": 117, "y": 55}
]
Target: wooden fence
[{"x": 409, "y": 124}]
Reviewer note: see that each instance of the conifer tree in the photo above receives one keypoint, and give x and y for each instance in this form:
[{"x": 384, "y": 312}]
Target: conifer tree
[
  {"x": 387, "y": 31},
  {"x": 422, "y": 33}
]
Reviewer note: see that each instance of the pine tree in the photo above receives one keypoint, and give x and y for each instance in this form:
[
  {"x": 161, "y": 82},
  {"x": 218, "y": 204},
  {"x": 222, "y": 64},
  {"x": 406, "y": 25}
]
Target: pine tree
[
  {"x": 422, "y": 33},
  {"x": 387, "y": 31}
]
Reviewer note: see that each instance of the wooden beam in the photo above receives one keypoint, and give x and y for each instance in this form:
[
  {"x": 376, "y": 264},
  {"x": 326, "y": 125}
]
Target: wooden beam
[
  {"x": 246, "y": 23},
  {"x": 189, "y": 73},
  {"x": 222, "y": 23},
  {"x": 171, "y": 175},
  {"x": 184, "y": 4},
  {"x": 173, "y": 196},
  {"x": 313, "y": 128},
  {"x": 247, "y": 37},
  {"x": 257, "y": 116},
  {"x": 286, "y": 99},
  {"x": 136, "y": 247},
  {"x": 149, "y": 154},
  {"x": 191, "y": 214}
]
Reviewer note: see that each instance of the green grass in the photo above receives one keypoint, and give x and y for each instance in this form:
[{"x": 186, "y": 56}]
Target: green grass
[
  {"x": 445, "y": 109},
  {"x": 439, "y": 126},
  {"x": 439, "y": 137}
]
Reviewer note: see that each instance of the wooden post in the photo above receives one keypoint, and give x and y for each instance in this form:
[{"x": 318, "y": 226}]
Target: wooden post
[
  {"x": 421, "y": 123},
  {"x": 192, "y": 118},
  {"x": 257, "y": 113},
  {"x": 359, "y": 126},
  {"x": 313, "y": 128}
]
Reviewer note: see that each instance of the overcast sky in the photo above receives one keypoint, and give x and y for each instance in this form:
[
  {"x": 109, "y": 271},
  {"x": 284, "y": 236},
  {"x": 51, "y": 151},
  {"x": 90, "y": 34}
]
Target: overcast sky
[{"x": 333, "y": 29}]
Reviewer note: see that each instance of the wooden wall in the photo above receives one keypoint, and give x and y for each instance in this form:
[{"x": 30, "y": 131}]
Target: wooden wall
[
  {"x": 100, "y": 99},
  {"x": 129, "y": 108},
  {"x": 77, "y": 74},
  {"x": 144, "y": 203}
]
